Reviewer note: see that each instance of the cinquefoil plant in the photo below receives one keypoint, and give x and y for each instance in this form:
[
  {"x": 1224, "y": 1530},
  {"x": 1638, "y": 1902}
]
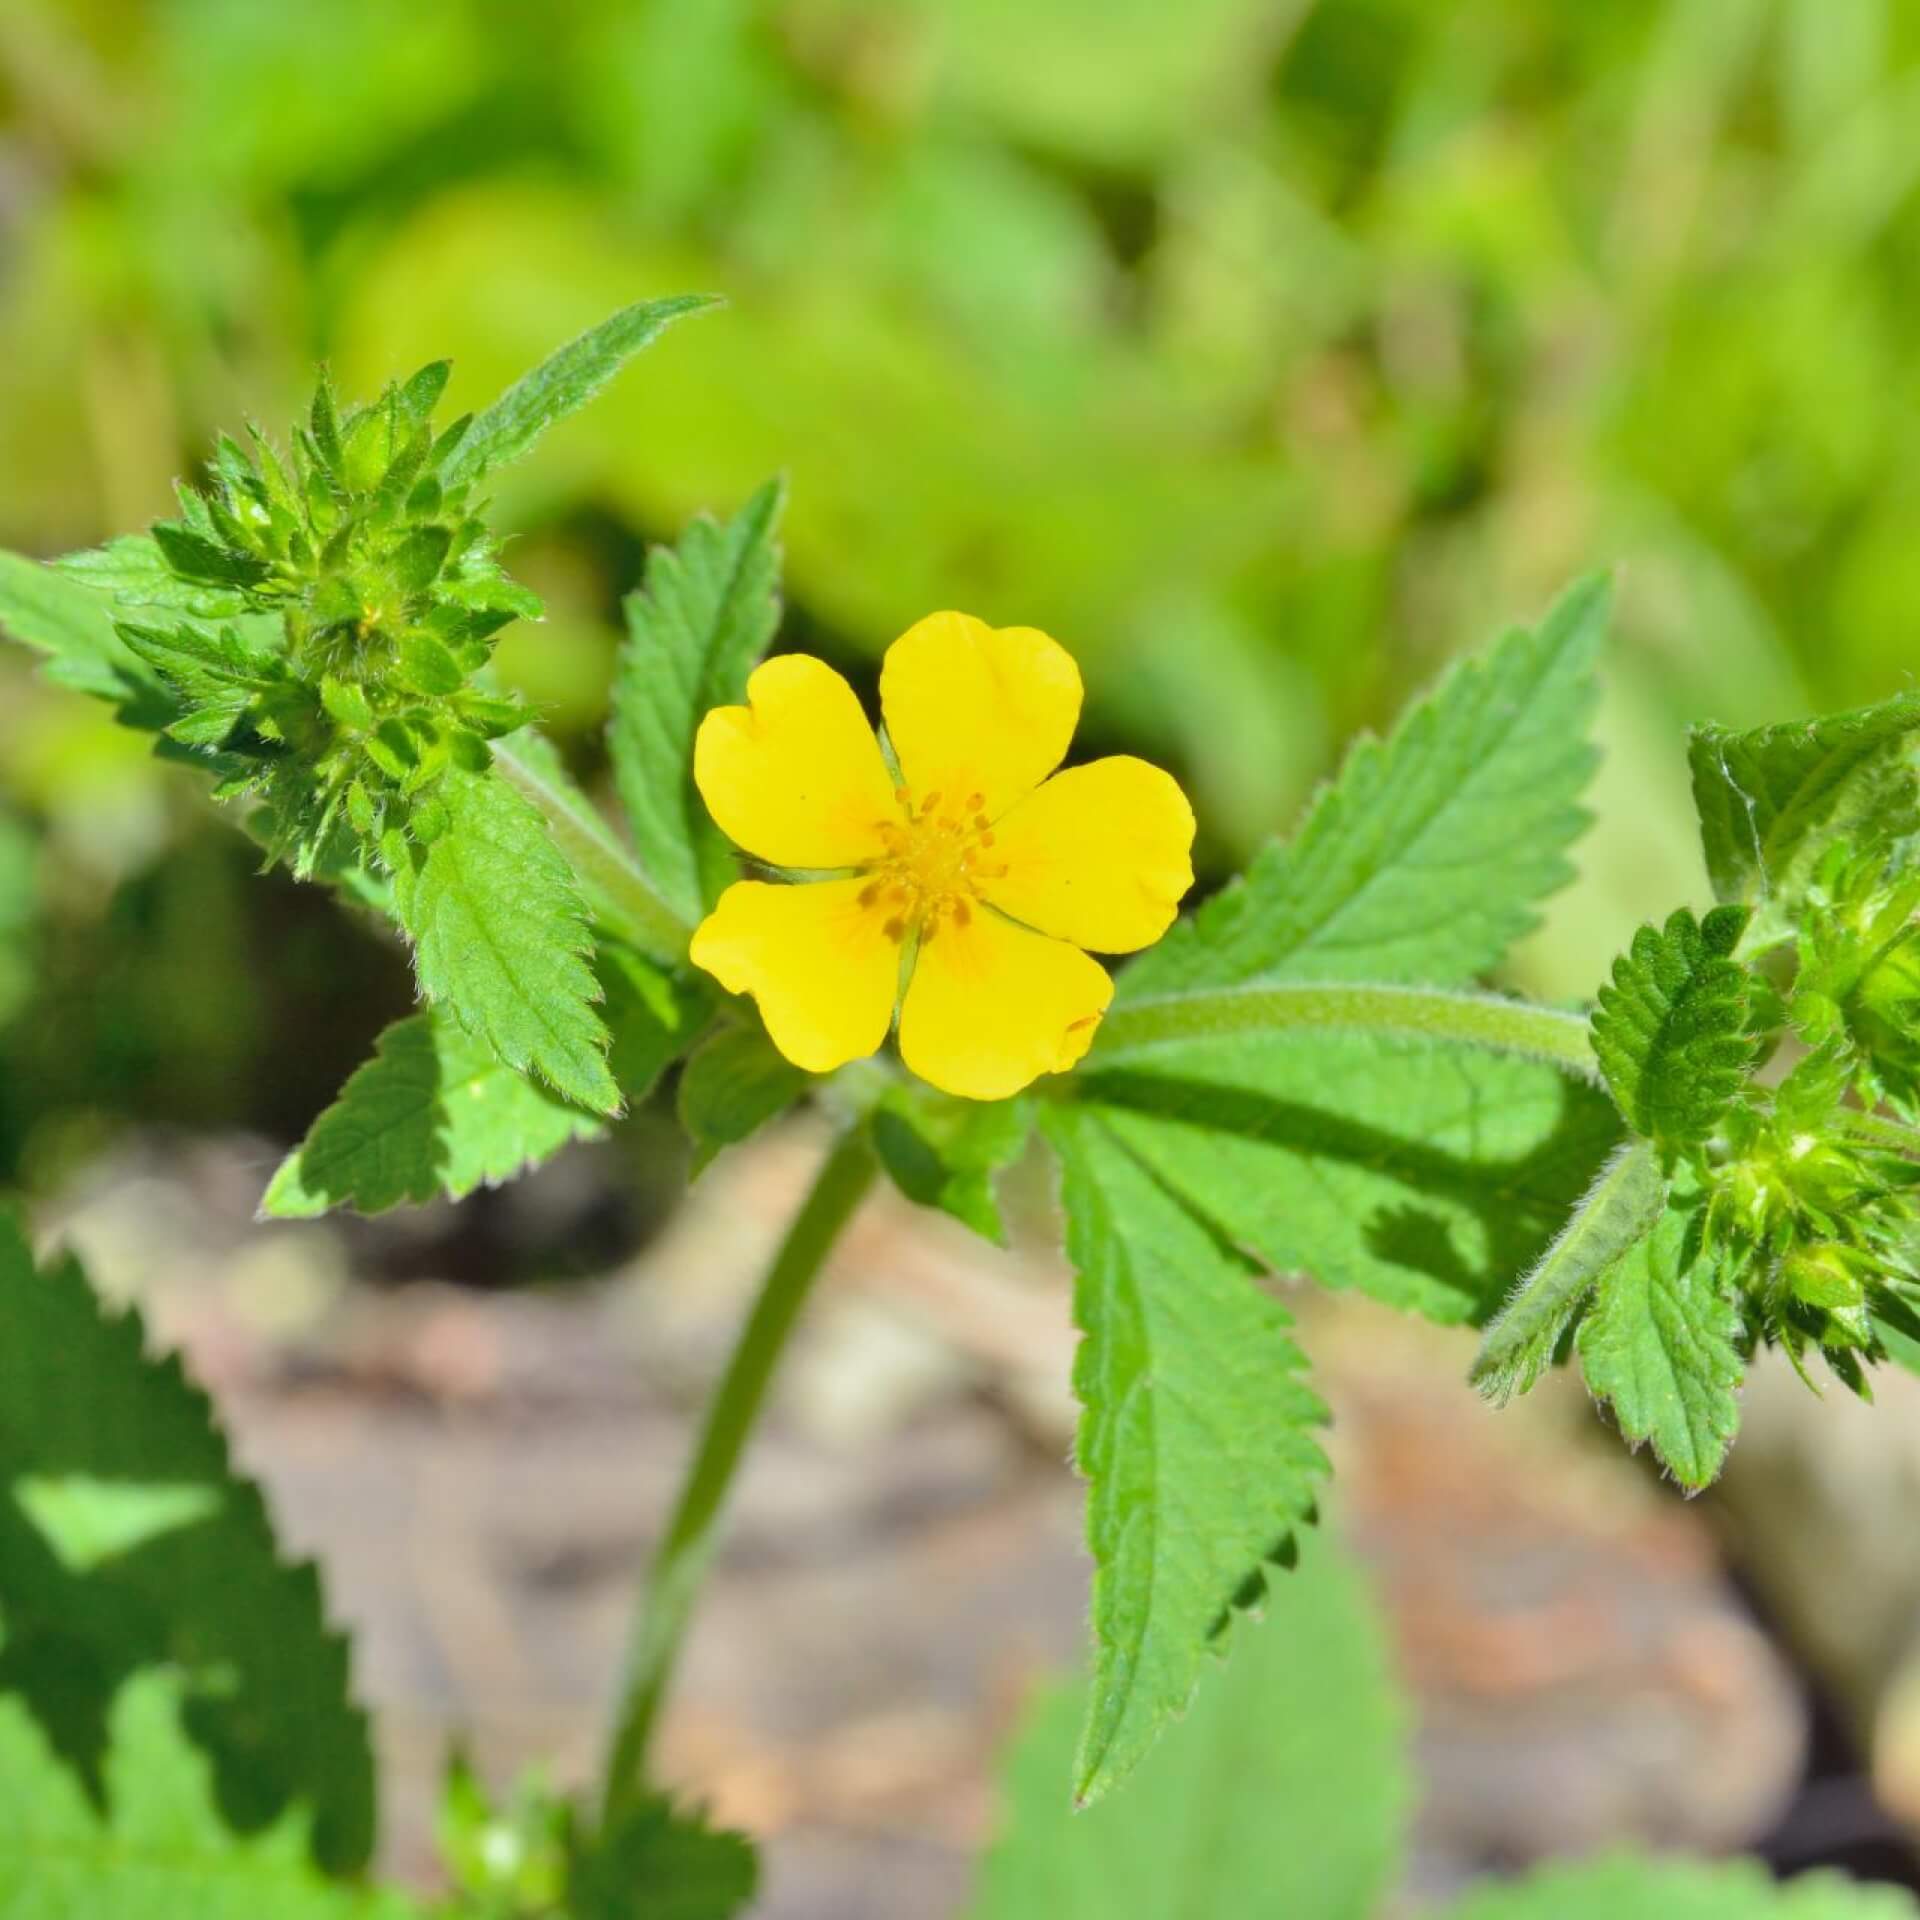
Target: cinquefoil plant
[{"x": 1307, "y": 1075}]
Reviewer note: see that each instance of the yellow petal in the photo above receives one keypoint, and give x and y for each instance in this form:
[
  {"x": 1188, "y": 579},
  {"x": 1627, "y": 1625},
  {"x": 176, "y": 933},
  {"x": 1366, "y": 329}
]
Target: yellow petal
[
  {"x": 977, "y": 709},
  {"x": 991, "y": 1007},
  {"x": 796, "y": 776},
  {"x": 1099, "y": 856},
  {"x": 815, "y": 959}
]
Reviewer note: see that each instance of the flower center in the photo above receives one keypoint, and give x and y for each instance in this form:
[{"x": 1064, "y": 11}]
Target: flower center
[{"x": 936, "y": 858}]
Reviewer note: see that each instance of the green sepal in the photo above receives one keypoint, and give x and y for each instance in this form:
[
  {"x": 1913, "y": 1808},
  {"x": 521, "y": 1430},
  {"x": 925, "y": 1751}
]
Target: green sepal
[
  {"x": 735, "y": 1082},
  {"x": 942, "y": 1152}
]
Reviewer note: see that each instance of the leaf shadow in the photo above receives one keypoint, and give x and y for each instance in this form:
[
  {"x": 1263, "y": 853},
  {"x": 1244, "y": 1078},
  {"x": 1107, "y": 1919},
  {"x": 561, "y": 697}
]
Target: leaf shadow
[
  {"x": 195, "y": 1591},
  {"x": 1517, "y": 1202}
]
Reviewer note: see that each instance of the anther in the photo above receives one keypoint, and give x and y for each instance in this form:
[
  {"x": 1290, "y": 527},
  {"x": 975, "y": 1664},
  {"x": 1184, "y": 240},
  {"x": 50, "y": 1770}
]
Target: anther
[
  {"x": 895, "y": 929},
  {"x": 975, "y": 801}
]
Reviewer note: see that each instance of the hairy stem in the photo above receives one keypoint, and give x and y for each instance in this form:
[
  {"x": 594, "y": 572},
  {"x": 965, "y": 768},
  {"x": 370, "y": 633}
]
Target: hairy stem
[
  {"x": 1621, "y": 1207},
  {"x": 1876, "y": 1130},
  {"x": 622, "y": 897},
  {"x": 1418, "y": 1013},
  {"x": 673, "y": 1581}
]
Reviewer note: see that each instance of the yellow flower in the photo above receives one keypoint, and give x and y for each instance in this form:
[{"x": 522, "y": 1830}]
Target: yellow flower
[{"x": 989, "y": 877}]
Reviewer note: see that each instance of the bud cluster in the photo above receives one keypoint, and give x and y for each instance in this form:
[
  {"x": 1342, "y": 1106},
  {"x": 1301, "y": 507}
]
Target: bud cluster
[
  {"x": 344, "y": 602},
  {"x": 1802, "y": 1193},
  {"x": 1859, "y": 973}
]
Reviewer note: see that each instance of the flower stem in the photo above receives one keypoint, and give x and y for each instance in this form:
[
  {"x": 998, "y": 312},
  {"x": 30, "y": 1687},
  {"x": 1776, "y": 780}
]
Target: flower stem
[
  {"x": 1415, "y": 1013},
  {"x": 622, "y": 897},
  {"x": 672, "y": 1582}
]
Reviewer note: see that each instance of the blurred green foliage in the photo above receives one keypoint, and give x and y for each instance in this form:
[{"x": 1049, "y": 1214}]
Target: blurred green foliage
[{"x": 1263, "y": 350}]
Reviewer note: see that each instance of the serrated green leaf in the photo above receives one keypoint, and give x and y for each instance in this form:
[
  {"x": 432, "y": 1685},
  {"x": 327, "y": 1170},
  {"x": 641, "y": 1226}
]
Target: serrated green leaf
[
  {"x": 1428, "y": 1177},
  {"x": 500, "y": 935},
  {"x": 1281, "y": 1794},
  {"x": 1661, "y": 1344},
  {"x": 129, "y": 1550},
  {"x": 72, "y": 624},
  {"x": 664, "y": 1863},
  {"x": 1196, "y": 1438},
  {"x": 435, "y": 1111},
  {"x": 206, "y": 563},
  {"x": 1425, "y": 859},
  {"x": 623, "y": 899},
  {"x": 561, "y": 385},
  {"x": 694, "y": 631},
  {"x": 942, "y": 1152},
  {"x": 1772, "y": 800},
  {"x": 160, "y": 1841},
  {"x": 1682, "y": 1890},
  {"x": 212, "y": 664},
  {"x": 734, "y": 1084},
  {"x": 132, "y": 572},
  {"x": 485, "y": 589},
  {"x": 417, "y": 396},
  {"x": 1671, "y": 1030},
  {"x": 1618, "y": 1210}
]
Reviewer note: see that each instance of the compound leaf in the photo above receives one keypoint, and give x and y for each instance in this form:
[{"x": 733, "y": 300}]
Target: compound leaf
[
  {"x": 1619, "y": 1209},
  {"x": 1670, "y": 1032},
  {"x": 705, "y": 615},
  {"x": 1426, "y": 1177},
  {"x": 1661, "y": 1343},
  {"x": 1425, "y": 858},
  {"x": 139, "y": 1577},
  {"x": 560, "y": 385},
  {"x": 1771, "y": 800},
  {"x": 1196, "y": 1439},
  {"x": 435, "y": 1111},
  {"x": 1282, "y": 1793},
  {"x": 500, "y": 935}
]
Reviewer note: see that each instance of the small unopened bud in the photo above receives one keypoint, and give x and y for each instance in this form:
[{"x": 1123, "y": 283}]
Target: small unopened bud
[{"x": 1825, "y": 1276}]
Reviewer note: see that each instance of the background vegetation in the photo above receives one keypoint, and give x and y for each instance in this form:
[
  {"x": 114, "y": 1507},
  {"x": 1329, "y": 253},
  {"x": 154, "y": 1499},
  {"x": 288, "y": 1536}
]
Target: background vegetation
[{"x": 1266, "y": 351}]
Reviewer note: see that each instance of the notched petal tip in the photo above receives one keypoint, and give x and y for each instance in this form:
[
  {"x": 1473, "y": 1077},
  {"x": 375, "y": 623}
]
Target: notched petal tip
[
  {"x": 1102, "y": 855},
  {"x": 984, "y": 712},
  {"x": 795, "y": 776}
]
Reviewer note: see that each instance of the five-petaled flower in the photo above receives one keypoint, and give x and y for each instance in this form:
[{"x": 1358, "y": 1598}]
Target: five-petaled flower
[{"x": 967, "y": 892}]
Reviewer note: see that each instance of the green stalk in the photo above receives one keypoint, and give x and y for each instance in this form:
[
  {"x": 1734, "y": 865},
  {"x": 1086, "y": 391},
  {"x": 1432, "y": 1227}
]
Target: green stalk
[
  {"x": 672, "y": 1582},
  {"x": 1621, "y": 1207},
  {"x": 622, "y": 897},
  {"x": 1414, "y": 1013},
  {"x": 1876, "y": 1130}
]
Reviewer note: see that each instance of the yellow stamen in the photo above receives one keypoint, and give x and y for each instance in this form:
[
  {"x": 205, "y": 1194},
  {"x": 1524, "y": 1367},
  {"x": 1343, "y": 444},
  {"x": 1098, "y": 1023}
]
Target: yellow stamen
[{"x": 931, "y": 867}]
